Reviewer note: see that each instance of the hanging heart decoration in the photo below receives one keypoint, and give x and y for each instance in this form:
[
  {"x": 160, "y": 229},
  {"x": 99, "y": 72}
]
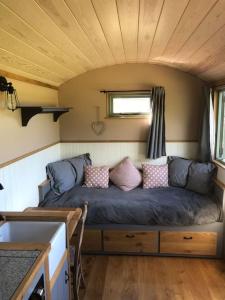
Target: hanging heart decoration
[{"x": 98, "y": 126}]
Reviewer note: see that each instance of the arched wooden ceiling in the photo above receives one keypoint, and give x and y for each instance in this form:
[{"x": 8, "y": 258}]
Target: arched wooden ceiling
[{"x": 55, "y": 40}]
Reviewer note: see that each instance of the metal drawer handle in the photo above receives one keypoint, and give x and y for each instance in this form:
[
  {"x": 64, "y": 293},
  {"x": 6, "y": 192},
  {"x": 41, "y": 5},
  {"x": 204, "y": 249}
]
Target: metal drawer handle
[
  {"x": 130, "y": 236},
  {"x": 187, "y": 238}
]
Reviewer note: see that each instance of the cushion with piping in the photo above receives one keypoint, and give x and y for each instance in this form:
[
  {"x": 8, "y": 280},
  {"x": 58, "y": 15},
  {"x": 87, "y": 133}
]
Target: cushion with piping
[
  {"x": 79, "y": 163},
  {"x": 155, "y": 176},
  {"x": 97, "y": 177},
  {"x": 200, "y": 177},
  {"x": 178, "y": 171},
  {"x": 62, "y": 176},
  {"x": 125, "y": 175}
]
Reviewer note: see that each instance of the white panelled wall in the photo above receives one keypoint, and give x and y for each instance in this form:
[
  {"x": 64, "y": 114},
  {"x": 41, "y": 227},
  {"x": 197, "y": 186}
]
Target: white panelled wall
[
  {"x": 111, "y": 153},
  {"x": 21, "y": 179}
]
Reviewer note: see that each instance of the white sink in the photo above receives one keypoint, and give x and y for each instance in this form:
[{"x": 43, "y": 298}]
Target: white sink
[{"x": 37, "y": 232}]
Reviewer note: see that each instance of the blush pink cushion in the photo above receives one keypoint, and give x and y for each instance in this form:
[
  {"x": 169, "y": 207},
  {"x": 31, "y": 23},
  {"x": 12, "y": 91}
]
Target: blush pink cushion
[
  {"x": 155, "y": 176},
  {"x": 97, "y": 177},
  {"x": 125, "y": 175}
]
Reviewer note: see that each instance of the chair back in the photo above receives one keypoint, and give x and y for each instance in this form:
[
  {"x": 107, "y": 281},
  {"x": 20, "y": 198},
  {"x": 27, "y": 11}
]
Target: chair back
[{"x": 76, "y": 270}]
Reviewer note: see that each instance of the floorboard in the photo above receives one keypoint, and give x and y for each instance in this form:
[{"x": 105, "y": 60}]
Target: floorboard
[{"x": 153, "y": 278}]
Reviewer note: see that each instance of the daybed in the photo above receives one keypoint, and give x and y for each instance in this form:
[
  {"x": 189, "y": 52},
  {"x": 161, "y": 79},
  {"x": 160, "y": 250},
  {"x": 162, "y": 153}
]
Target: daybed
[{"x": 160, "y": 221}]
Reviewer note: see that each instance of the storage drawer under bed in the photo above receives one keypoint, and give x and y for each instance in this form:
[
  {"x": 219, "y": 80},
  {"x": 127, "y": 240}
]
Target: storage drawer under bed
[
  {"x": 130, "y": 241},
  {"x": 185, "y": 242}
]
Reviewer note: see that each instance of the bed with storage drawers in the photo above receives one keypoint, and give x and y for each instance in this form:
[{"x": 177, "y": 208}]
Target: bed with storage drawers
[{"x": 170, "y": 221}]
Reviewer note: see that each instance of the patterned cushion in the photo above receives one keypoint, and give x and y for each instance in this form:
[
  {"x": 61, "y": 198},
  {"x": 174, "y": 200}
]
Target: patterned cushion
[
  {"x": 155, "y": 176},
  {"x": 125, "y": 175},
  {"x": 97, "y": 177}
]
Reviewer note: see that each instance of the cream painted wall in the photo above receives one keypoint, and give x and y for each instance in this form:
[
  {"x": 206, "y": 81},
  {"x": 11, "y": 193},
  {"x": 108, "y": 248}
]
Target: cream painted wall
[
  {"x": 41, "y": 130},
  {"x": 183, "y": 102}
]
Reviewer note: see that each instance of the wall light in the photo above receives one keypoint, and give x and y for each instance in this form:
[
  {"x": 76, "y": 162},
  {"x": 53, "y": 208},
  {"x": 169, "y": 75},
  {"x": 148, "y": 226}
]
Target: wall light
[{"x": 12, "y": 101}]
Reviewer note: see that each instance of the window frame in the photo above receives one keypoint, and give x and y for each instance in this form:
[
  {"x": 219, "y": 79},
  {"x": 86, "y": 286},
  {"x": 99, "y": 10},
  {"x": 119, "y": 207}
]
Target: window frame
[
  {"x": 220, "y": 128},
  {"x": 126, "y": 94}
]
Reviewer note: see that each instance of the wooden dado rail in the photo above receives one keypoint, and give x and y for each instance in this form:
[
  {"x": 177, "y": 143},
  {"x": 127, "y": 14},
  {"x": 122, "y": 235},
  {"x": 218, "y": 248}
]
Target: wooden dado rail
[{"x": 9, "y": 162}]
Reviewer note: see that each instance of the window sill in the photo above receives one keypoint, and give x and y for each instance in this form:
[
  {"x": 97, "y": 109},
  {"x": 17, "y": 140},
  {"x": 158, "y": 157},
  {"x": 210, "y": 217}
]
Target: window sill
[
  {"x": 127, "y": 117},
  {"x": 219, "y": 163}
]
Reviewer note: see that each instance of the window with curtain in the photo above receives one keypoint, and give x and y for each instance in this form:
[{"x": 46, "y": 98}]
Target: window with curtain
[
  {"x": 129, "y": 104},
  {"x": 220, "y": 143}
]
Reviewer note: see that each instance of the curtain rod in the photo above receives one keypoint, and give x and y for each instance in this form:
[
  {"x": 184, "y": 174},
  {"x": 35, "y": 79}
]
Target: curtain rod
[{"x": 104, "y": 91}]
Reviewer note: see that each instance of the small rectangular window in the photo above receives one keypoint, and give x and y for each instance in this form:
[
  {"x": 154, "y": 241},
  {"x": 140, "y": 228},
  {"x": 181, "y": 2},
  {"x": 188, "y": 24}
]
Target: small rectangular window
[
  {"x": 220, "y": 145},
  {"x": 129, "y": 104}
]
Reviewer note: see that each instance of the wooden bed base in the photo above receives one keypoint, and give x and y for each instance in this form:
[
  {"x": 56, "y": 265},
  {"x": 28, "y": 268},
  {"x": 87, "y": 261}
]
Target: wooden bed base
[
  {"x": 191, "y": 241},
  {"x": 195, "y": 241}
]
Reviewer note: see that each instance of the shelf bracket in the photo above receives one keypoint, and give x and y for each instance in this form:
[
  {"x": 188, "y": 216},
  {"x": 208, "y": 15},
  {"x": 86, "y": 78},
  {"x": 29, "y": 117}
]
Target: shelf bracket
[{"x": 27, "y": 112}]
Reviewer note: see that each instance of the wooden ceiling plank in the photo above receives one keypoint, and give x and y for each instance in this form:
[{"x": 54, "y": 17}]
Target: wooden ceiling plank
[
  {"x": 128, "y": 11},
  {"x": 214, "y": 20},
  {"x": 71, "y": 34},
  {"x": 209, "y": 56},
  {"x": 170, "y": 18},
  {"x": 85, "y": 15},
  {"x": 106, "y": 12},
  {"x": 17, "y": 27},
  {"x": 26, "y": 79},
  {"x": 214, "y": 74},
  {"x": 150, "y": 11},
  {"x": 14, "y": 45},
  {"x": 18, "y": 72},
  {"x": 43, "y": 25},
  {"x": 17, "y": 62},
  {"x": 193, "y": 15}
]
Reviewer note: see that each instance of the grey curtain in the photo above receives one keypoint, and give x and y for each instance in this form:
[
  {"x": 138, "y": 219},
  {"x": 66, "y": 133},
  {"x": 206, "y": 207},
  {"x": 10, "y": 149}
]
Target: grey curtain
[
  {"x": 206, "y": 144},
  {"x": 156, "y": 145}
]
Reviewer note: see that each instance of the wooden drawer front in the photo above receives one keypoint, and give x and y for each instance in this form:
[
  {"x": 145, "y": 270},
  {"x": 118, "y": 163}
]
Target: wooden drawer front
[
  {"x": 92, "y": 240},
  {"x": 182, "y": 242},
  {"x": 130, "y": 241}
]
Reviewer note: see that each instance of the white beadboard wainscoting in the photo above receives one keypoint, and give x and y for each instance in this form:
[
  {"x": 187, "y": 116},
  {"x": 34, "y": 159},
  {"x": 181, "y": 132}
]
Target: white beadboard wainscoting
[
  {"x": 21, "y": 179},
  {"x": 107, "y": 153}
]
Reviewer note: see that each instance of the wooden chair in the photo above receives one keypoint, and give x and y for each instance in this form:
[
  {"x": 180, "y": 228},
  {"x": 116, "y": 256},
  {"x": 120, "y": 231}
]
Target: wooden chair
[{"x": 77, "y": 272}]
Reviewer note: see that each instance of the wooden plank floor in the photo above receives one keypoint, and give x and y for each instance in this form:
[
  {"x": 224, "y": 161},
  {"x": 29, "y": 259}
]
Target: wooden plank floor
[{"x": 153, "y": 278}]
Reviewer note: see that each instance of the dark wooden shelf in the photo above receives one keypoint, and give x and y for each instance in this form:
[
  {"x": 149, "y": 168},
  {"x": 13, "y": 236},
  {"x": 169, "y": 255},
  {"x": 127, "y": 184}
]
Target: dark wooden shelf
[{"x": 27, "y": 112}]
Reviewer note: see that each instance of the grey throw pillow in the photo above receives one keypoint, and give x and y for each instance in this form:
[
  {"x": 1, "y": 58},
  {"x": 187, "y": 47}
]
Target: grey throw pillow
[
  {"x": 178, "y": 171},
  {"x": 200, "y": 177},
  {"x": 79, "y": 163},
  {"x": 62, "y": 176}
]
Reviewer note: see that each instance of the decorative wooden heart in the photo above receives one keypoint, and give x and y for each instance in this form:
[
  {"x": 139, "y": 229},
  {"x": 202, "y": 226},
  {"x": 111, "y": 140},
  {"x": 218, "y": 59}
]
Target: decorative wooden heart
[{"x": 98, "y": 127}]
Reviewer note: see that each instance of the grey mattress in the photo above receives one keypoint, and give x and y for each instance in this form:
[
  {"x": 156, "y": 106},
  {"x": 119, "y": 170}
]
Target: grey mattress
[{"x": 161, "y": 206}]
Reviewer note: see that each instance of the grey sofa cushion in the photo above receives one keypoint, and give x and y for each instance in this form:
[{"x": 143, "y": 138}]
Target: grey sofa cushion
[
  {"x": 62, "y": 176},
  {"x": 200, "y": 177},
  {"x": 178, "y": 171},
  {"x": 79, "y": 163}
]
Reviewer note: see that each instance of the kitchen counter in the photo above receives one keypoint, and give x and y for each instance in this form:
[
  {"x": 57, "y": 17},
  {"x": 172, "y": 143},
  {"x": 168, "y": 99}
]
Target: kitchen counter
[
  {"x": 22, "y": 260},
  {"x": 19, "y": 264},
  {"x": 14, "y": 265}
]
